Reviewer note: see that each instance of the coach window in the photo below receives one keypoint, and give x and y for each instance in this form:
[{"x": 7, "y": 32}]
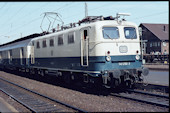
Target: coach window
[
  {"x": 32, "y": 43},
  {"x": 44, "y": 43},
  {"x": 10, "y": 56},
  {"x": 60, "y": 40},
  {"x": 51, "y": 42},
  {"x": 130, "y": 33},
  {"x": 0, "y": 56},
  {"x": 70, "y": 38},
  {"x": 110, "y": 33},
  {"x": 21, "y": 55},
  {"x": 38, "y": 44}
]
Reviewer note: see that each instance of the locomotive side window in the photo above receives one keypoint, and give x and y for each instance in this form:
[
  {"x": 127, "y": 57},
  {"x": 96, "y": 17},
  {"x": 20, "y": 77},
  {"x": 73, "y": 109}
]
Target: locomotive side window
[
  {"x": 85, "y": 34},
  {"x": 38, "y": 44},
  {"x": 130, "y": 33},
  {"x": 60, "y": 40},
  {"x": 70, "y": 38},
  {"x": 110, "y": 33},
  {"x": 44, "y": 43},
  {"x": 51, "y": 42}
]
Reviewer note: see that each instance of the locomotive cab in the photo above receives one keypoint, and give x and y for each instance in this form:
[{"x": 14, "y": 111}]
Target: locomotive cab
[{"x": 115, "y": 52}]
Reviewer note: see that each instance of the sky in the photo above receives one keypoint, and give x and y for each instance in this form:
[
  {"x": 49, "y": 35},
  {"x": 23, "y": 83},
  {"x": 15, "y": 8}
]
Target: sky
[{"x": 19, "y": 19}]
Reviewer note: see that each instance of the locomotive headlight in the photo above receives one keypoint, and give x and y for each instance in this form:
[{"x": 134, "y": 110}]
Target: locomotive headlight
[
  {"x": 137, "y": 57},
  {"x": 108, "y": 58}
]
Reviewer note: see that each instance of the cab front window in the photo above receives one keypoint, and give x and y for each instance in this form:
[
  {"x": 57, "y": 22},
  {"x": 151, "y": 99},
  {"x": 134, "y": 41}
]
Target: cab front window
[
  {"x": 130, "y": 33},
  {"x": 110, "y": 33}
]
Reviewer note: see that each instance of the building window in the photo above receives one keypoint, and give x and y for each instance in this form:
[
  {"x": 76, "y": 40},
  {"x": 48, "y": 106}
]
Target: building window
[
  {"x": 51, "y": 42},
  {"x": 38, "y": 44},
  {"x": 158, "y": 44},
  {"x": 44, "y": 43},
  {"x": 70, "y": 38},
  {"x": 164, "y": 43},
  {"x": 150, "y": 44},
  {"x": 60, "y": 40}
]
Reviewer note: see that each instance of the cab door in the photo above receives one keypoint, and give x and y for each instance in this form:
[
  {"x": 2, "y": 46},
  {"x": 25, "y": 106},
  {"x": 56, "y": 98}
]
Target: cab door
[{"x": 84, "y": 47}]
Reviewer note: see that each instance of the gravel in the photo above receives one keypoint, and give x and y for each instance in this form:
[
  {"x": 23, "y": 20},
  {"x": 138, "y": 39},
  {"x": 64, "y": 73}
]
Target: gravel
[{"x": 87, "y": 101}]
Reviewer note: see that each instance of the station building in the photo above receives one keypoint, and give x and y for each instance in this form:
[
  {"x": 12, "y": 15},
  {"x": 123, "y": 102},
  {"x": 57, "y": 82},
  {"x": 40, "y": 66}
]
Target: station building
[{"x": 155, "y": 38}]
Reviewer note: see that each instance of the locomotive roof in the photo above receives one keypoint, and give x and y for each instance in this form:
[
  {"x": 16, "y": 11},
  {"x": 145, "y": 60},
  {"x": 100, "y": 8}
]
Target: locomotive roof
[
  {"x": 97, "y": 23},
  {"x": 42, "y": 35}
]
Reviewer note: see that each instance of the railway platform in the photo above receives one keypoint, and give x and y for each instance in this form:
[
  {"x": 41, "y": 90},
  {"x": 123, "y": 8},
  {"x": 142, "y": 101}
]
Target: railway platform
[
  {"x": 155, "y": 66},
  {"x": 5, "y": 107},
  {"x": 157, "y": 77}
]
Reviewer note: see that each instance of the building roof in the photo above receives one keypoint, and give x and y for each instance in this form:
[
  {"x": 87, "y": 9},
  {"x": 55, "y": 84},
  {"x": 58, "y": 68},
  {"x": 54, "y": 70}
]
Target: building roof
[{"x": 159, "y": 30}]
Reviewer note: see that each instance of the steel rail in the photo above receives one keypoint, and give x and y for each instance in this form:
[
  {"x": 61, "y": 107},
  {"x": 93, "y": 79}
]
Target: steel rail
[
  {"x": 54, "y": 100},
  {"x": 147, "y": 93},
  {"x": 130, "y": 97},
  {"x": 28, "y": 107}
]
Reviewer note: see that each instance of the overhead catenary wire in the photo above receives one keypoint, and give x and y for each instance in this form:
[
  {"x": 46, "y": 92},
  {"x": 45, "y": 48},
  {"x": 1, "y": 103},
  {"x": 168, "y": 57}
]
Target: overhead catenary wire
[
  {"x": 54, "y": 10},
  {"x": 64, "y": 6},
  {"x": 120, "y": 10},
  {"x": 75, "y": 15},
  {"x": 3, "y": 6},
  {"x": 8, "y": 21},
  {"x": 31, "y": 12},
  {"x": 23, "y": 25},
  {"x": 155, "y": 14},
  {"x": 42, "y": 7},
  {"x": 72, "y": 16},
  {"x": 31, "y": 21},
  {"x": 39, "y": 17}
]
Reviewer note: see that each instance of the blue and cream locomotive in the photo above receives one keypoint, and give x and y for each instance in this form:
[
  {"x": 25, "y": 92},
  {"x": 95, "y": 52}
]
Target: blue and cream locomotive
[{"x": 104, "y": 51}]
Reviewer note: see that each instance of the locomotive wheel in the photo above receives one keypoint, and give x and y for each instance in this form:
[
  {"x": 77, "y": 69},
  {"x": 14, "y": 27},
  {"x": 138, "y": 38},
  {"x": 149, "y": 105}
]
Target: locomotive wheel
[
  {"x": 128, "y": 84},
  {"x": 114, "y": 82}
]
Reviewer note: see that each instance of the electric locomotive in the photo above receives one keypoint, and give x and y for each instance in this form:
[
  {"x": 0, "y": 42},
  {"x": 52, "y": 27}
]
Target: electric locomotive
[{"x": 103, "y": 51}]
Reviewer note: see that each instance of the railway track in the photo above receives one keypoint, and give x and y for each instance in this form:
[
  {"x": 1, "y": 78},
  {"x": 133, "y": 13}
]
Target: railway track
[
  {"x": 153, "y": 87},
  {"x": 34, "y": 101},
  {"x": 144, "y": 97}
]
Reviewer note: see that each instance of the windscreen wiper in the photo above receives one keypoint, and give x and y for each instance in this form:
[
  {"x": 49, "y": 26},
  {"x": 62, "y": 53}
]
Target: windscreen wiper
[{"x": 107, "y": 35}]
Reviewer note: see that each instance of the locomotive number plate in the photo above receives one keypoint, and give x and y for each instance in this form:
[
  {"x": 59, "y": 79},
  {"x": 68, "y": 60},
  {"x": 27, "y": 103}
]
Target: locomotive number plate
[{"x": 124, "y": 63}]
